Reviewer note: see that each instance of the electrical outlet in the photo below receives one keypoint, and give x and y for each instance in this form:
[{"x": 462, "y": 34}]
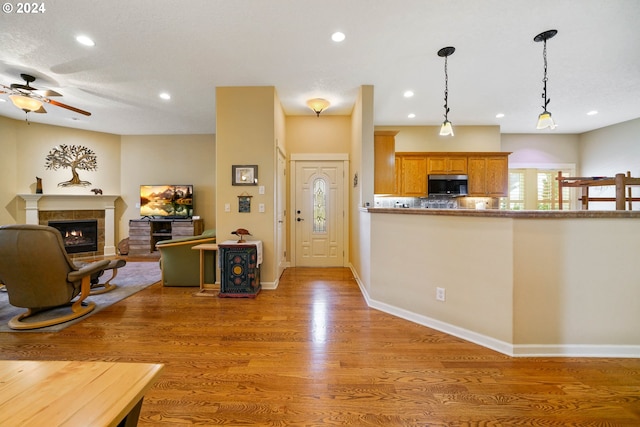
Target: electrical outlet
[
  {"x": 440, "y": 294},
  {"x": 227, "y": 207}
]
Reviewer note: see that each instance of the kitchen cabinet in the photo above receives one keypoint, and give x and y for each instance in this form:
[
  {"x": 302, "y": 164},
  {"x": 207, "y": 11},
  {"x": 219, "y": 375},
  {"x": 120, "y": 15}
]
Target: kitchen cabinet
[
  {"x": 488, "y": 175},
  {"x": 412, "y": 175},
  {"x": 384, "y": 154},
  {"x": 447, "y": 165}
]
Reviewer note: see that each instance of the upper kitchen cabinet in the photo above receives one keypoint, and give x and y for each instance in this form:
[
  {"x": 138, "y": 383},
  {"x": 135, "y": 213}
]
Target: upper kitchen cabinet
[
  {"x": 447, "y": 165},
  {"x": 412, "y": 175},
  {"x": 384, "y": 175},
  {"x": 489, "y": 175}
]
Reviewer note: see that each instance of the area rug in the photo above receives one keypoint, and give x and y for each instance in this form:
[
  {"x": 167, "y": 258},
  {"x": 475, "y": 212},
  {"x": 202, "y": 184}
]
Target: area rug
[{"x": 130, "y": 279}]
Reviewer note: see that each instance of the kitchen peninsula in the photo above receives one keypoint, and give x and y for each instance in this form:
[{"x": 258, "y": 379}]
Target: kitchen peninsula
[{"x": 520, "y": 282}]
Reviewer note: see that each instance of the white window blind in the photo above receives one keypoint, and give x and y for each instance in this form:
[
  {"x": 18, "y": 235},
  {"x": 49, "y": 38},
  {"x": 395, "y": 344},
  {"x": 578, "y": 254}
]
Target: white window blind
[{"x": 537, "y": 189}]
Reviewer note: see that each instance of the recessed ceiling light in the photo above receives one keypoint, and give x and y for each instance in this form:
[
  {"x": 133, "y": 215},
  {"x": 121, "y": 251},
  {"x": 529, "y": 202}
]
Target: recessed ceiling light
[
  {"x": 412, "y": 116},
  {"x": 408, "y": 94},
  {"x": 338, "y": 36},
  {"x": 499, "y": 115},
  {"x": 165, "y": 96},
  {"x": 85, "y": 41},
  {"x": 592, "y": 113}
]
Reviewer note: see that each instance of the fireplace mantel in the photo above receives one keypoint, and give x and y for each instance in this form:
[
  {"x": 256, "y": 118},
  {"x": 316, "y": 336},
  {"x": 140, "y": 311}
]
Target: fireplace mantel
[{"x": 65, "y": 202}]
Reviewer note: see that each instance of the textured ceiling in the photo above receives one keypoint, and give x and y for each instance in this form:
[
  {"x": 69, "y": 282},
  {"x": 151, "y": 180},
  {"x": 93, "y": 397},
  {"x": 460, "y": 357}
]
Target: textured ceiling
[{"x": 188, "y": 48}]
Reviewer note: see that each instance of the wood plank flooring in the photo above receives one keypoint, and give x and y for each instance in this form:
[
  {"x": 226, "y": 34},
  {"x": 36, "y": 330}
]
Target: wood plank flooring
[{"x": 311, "y": 353}]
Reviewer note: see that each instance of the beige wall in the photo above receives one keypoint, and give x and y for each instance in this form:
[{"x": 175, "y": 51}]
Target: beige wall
[
  {"x": 9, "y": 204},
  {"x": 541, "y": 149},
  {"x": 522, "y": 286},
  {"x": 427, "y": 138},
  {"x": 246, "y": 135},
  {"x": 611, "y": 150},
  {"x": 575, "y": 282},
  {"x": 124, "y": 163},
  {"x": 167, "y": 159},
  {"x": 37, "y": 140},
  {"x": 25, "y": 148},
  {"x": 361, "y": 157},
  {"x": 324, "y": 134},
  {"x": 471, "y": 258},
  {"x": 607, "y": 152}
]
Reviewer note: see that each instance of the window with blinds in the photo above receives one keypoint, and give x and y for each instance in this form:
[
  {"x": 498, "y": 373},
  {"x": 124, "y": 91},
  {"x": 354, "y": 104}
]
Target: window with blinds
[{"x": 536, "y": 189}]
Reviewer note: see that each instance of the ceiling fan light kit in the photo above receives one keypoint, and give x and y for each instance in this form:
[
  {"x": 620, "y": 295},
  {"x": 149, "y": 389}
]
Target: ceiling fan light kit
[
  {"x": 27, "y": 98},
  {"x": 26, "y": 103}
]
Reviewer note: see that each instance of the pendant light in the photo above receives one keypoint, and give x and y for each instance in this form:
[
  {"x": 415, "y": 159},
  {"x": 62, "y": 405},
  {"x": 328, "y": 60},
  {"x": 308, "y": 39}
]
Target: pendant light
[
  {"x": 544, "y": 119},
  {"x": 446, "y": 128}
]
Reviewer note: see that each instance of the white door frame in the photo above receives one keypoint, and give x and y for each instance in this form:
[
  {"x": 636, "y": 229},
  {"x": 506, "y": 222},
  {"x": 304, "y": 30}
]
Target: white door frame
[
  {"x": 281, "y": 213},
  {"x": 318, "y": 157}
]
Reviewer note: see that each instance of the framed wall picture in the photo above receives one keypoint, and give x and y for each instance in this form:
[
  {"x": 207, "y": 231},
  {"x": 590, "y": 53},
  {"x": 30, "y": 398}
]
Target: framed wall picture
[{"x": 244, "y": 175}]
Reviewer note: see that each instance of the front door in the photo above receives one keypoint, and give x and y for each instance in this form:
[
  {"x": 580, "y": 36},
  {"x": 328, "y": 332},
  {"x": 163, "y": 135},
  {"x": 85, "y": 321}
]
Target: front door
[{"x": 319, "y": 214}]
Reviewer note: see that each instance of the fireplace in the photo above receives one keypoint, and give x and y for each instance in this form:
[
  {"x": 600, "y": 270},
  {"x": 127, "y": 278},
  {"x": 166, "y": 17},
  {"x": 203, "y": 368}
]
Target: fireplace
[{"x": 78, "y": 235}]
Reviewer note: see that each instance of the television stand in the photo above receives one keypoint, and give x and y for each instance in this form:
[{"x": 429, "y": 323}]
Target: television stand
[{"x": 145, "y": 233}]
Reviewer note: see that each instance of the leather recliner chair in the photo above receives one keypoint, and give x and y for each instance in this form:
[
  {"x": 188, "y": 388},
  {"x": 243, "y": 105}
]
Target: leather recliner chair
[
  {"x": 39, "y": 275},
  {"x": 180, "y": 264}
]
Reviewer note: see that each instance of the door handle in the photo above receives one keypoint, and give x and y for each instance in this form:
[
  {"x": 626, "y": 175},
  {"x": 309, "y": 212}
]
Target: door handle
[{"x": 299, "y": 219}]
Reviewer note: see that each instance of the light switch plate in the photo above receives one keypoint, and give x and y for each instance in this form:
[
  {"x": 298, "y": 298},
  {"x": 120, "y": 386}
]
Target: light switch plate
[
  {"x": 227, "y": 207},
  {"x": 261, "y": 207},
  {"x": 261, "y": 189}
]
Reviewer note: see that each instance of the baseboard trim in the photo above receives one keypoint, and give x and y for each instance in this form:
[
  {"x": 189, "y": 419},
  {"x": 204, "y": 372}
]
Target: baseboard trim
[
  {"x": 576, "y": 350},
  {"x": 517, "y": 350}
]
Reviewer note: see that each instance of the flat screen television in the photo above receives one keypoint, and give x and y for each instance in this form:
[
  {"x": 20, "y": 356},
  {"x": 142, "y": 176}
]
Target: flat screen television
[{"x": 166, "y": 201}]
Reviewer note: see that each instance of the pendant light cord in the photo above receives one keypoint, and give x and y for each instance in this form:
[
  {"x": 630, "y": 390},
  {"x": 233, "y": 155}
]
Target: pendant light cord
[
  {"x": 544, "y": 80},
  {"x": 446, "y": 89}
]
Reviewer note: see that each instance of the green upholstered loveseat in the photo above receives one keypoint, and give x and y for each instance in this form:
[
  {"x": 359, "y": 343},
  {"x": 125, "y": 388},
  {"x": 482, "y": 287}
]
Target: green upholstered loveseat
[{"x": 180, "y": 264}]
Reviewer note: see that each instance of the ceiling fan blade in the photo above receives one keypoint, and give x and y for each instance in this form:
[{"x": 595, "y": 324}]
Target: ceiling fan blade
[
  {"x": 68, "y": 107},
  {"x": 48, "y": 93}
]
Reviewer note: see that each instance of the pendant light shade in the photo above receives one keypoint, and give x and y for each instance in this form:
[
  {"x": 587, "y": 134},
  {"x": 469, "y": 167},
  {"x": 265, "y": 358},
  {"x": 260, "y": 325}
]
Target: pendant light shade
[
  {"x": 446, "y": 129},
  {"x": 545, "y": 121}
]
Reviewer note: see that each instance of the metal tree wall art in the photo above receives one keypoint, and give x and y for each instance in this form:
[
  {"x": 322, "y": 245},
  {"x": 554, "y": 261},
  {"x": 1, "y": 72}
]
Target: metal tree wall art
[{"x": 75, "y": 157}]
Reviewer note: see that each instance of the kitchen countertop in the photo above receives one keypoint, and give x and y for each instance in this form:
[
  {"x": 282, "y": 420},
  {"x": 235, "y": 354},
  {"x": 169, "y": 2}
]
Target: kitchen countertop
[{"x": 505, "y": 213}]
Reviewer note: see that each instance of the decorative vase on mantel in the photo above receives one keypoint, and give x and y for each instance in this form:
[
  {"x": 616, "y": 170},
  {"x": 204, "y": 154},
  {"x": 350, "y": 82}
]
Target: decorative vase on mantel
[{"x": 38, "y": 185}]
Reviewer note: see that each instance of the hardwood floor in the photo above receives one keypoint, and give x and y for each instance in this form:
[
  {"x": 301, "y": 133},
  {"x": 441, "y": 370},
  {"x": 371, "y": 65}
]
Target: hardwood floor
[{"x": 311, "y": 353}]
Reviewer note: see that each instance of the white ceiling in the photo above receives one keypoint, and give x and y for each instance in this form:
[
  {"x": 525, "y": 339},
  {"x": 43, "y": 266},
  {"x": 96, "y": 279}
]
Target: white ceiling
[{"x": 188, "y": 48}]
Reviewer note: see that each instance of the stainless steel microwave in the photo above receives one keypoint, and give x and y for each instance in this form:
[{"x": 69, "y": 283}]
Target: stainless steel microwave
[{"x": 450, "y": 185}]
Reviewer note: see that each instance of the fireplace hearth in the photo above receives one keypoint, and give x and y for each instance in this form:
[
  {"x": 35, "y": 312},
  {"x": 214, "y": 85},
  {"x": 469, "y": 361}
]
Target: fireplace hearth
[{"x": 78, "y": 235}]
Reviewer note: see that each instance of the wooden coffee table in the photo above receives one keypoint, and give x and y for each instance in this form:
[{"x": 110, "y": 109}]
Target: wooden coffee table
[{"x": 57, "y": 393}]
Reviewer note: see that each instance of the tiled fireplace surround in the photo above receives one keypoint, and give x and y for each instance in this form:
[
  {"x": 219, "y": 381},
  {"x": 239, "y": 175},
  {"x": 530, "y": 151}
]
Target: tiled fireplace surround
[{"x": 41, "y": 208}]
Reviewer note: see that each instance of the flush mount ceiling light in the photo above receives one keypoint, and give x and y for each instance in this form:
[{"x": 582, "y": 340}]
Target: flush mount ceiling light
[
  {"x": 544, "y": 119},
  {"x": 338, "y": 37},
  {"x": 84, "y": 40},
  {"x": 446, "y": 128},
  {"x": 318, "y": 105}
]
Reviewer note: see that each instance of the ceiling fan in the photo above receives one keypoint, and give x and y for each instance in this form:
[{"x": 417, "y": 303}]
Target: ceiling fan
[{"x": 31, "y": 100}]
